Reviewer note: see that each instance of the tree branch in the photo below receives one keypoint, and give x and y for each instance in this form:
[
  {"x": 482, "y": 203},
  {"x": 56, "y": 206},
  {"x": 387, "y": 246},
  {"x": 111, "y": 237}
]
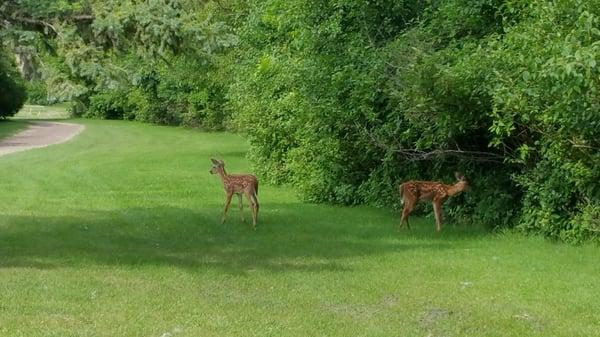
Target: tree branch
[
  {"x": 36, "y": 22},
  {"x": 420, "y": 155},
  {"x": 20, "y": 18},
  {"x": 82, "y": 17}
]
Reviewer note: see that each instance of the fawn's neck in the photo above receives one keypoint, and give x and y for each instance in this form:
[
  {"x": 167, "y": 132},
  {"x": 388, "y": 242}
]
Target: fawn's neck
[
  {"x": 456, "y": 188},
  {"x": 224, "y": 176}
]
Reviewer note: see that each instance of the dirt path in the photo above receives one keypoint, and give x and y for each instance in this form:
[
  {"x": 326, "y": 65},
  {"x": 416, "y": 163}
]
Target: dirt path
[{"x": 39, "y": 134}]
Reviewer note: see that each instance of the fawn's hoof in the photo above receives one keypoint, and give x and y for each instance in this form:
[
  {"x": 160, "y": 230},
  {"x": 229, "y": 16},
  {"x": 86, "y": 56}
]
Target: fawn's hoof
[{"x": 399, "y": 228}]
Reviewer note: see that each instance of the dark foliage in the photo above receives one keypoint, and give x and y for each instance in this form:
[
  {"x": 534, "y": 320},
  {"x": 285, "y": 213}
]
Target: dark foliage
[{"x": 12, "y": 87}]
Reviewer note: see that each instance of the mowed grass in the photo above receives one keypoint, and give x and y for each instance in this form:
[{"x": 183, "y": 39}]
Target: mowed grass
[{"x": 117, "y": 233}]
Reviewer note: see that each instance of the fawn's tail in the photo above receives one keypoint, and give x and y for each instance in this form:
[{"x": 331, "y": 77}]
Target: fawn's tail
[{"x": 401, "y": 190}]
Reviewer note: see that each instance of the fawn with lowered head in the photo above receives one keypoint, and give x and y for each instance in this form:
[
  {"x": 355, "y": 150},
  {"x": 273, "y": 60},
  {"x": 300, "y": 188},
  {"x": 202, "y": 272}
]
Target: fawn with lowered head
[
  {"x": 237, "y": 184},
  {"x": 411, "y": 192}
]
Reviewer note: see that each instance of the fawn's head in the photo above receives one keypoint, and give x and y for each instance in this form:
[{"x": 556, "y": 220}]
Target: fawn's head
[
  {"x": 462, "y": 182},
  {"x": 218, "y": 166}
]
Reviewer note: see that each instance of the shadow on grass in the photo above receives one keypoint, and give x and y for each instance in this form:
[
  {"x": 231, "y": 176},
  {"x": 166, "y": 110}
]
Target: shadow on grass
[{"x": 291, "y": 237}]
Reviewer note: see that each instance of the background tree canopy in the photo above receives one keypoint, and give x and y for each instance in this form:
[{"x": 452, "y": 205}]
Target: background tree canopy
[
  {"x": 345, "y": 99},
  {"x": 119, "y": 59}
]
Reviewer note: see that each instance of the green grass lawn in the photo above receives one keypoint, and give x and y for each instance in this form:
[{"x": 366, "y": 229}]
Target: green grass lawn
[{"x": 117, "y": 233}]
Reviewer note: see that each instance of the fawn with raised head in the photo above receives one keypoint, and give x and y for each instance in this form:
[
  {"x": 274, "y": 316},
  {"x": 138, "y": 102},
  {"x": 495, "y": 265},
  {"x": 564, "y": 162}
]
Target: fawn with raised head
[
  {"x": 237, "y": 184},
  {"x": 411, "y": 192}
]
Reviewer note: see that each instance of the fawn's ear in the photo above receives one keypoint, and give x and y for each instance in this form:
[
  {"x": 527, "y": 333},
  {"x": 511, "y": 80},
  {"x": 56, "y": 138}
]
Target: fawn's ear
[
  {"x": 221, "y": 162},
  {"x": 214, "y": 161},
  {"x": 459, "y": 176}
]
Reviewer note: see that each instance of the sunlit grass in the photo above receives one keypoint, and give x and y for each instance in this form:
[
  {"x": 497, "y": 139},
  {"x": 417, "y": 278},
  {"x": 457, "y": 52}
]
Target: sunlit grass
[
  {"x": 116, "y": 233},
  {"x": 55, "y": 111}
]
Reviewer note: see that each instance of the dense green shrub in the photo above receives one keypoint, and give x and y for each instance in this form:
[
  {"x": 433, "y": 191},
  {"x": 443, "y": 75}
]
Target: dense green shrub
[
  {"x": 306, "y": 75},
  {"x": 323, "y": 111},
  {"x": 37, "y": 93},
  {"x": 164, "y": 94},
  {"x": 528, "y": 93},
  {"x": 542, "y": 81},
  {"x": 107, "y": 105},
  {"x": 346, "y": 99},
  {"x": 12, "y": 87}
]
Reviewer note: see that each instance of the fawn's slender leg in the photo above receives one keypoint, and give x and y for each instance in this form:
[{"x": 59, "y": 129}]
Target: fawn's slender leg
[
  {"x": 254, "y": 210},
  {"x": 256, "y": 202},
  {"x": 408, "y": 207},
  {"x": 253, "y": 206},
  {"x": 403, "y": 217},
  {"x": 227, "y": 202},
  {"x": 405, "y": 214},
  {"x": 241, "y": 207},
  {"x": 437, "y": 210}
]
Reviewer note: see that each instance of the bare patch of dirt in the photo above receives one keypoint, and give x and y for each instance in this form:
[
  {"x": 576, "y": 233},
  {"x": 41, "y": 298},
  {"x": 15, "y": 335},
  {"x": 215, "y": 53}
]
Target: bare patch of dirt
[{"x": 429, "y": 320}]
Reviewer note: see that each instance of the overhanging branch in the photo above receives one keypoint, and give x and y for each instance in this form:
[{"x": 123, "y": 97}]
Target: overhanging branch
[
  {"x": 421, "y": 155},
  {"x": 12, "y": 16},
  {"x": 36, "y": 22}
]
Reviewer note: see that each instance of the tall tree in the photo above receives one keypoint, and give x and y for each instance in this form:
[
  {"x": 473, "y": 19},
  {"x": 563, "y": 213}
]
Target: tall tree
[{"x": 87, "y": 38}]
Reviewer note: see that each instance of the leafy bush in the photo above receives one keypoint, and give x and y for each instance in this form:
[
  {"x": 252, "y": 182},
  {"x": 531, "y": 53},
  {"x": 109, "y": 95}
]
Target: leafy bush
[
  {"x": 165, "y": 94},
  {"x": 37, "y": 93},
  {"x": 107, "y": 105},
  {"x": 345, "y": 101},
  {"x": 12, "y": 87},
  {"x": 306, "y": 75}
]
